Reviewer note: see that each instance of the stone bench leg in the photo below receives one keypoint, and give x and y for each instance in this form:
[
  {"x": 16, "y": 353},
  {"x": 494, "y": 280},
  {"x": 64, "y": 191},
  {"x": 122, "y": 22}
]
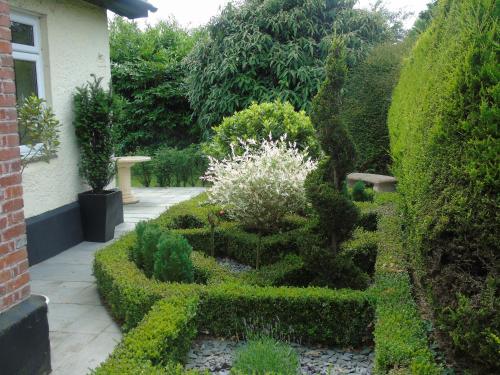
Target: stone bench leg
[{"x": 384, "y": 187}]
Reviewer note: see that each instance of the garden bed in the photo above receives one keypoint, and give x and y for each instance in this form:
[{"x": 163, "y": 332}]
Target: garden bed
[
  {"x": 222, "y": 303},
  {"x": 216, "y": 356}
]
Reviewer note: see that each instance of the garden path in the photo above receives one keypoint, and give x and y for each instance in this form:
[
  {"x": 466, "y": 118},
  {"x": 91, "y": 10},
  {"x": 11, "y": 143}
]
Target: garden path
[{"x": 82, "y": 334}]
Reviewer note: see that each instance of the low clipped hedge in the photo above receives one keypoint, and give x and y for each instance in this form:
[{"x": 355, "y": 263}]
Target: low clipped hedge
[
  {"x": 165, "y": 316},
  {"x": 158, "y": 343},
  {"x": 400, "y": 334},
  {"x": 318, "y": 315},
  {"x": 230, "y": 239}
]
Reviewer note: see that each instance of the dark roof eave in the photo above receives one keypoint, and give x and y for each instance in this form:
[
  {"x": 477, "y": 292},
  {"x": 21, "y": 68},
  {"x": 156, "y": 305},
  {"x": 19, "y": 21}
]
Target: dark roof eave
[{"x": 127, "y": 8}]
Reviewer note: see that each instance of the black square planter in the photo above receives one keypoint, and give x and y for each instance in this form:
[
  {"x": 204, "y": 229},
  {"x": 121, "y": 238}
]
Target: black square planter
[{"x": 101, "y": 213}]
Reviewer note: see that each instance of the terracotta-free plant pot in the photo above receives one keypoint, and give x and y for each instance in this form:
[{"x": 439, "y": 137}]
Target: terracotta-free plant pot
[{"x": 101, "y": 213}]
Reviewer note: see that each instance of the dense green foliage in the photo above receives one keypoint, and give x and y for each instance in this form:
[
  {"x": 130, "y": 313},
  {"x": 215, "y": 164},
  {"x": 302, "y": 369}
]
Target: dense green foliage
[
  {"x": 263, "y": 50},
  {"x": 264, "y": 355},
  {"x": 443, "y": 125},
  {"x": 400, "y": 333},
  {"x": 177, "y": 167},
  {"x": 360, "y": 193},
  {"x": 173, "y": 259},
  {"x": 365, "y": 105},
  {"x": 95, "y": 113},
  {"x": 258, "y": 122},
  {"x": 147, "y": 71}
]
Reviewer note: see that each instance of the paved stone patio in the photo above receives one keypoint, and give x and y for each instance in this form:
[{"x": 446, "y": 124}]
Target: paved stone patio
[{"x": 82, "y": 334}]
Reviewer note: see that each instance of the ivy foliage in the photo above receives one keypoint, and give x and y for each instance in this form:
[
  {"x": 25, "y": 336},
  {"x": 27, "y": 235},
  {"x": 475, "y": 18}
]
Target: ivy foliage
[
  {"x": 147, "y": 71},
  {"x": 263, "y": 50},
  {"x": 445, "y": 140}
]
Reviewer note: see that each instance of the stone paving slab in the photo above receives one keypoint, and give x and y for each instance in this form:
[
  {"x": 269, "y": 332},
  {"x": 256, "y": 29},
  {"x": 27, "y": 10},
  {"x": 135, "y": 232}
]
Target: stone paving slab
[{"x": 82, "y": 334}]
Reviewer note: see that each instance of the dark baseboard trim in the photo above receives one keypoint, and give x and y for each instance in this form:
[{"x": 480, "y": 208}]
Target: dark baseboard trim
[
  {"x": 24, "y": 338},
  {"x": 53, "y": 232}
]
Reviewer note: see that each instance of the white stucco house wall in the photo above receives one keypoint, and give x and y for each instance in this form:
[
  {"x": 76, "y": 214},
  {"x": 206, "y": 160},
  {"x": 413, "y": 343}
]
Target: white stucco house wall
[{"x": 60, "y": 43}]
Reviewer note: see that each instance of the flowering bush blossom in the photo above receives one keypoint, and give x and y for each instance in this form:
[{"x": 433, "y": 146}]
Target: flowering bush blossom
[{"x": 261, "y": 186}]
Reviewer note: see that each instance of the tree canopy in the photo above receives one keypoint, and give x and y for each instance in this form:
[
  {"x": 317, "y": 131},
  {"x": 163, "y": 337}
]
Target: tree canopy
[{"x": 263, "y": 50}]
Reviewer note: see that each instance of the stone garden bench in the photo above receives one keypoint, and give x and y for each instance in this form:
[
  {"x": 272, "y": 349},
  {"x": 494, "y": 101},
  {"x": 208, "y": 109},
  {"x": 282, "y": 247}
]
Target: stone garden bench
[{"x": 380, "y": 182}]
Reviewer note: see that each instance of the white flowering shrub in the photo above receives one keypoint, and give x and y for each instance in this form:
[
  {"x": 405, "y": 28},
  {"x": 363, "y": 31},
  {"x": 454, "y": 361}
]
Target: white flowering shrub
[{"x": 261, "y": 186}]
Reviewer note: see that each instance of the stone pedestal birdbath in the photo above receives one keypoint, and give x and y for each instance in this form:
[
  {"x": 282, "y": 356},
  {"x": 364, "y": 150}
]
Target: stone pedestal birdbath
[{"x": 124, "y": 180}]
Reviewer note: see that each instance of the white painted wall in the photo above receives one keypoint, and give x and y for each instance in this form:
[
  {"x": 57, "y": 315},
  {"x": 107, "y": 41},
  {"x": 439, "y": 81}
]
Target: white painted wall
[{"x": 74, "y": 45}]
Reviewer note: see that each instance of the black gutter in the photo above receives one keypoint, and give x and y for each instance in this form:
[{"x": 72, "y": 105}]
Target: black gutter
[{"x": 127, "y": 8}]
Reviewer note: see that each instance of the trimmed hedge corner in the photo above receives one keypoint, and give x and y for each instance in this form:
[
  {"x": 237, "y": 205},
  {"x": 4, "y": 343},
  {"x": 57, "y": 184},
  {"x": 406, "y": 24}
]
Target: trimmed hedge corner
[{"x": 158, "y": 343}]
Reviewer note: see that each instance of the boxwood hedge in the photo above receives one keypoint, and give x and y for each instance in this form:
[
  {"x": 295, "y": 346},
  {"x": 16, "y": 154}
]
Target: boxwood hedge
[{"x": 165, "y": 316}]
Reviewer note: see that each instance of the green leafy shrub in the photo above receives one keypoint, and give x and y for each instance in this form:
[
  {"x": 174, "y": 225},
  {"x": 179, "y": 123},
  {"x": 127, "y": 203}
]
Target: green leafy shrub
[
  {"x": 258, "y": 122},
  {"x": 173, "y": 259},
  {"x": 148, "y": 72},
  {"x": 146, "y": 246},
  {"x": 443, "y": 125},
  {"x": 265, "y": 355},
  {"x": 95, "y": 112},
  {"x": 178, "y": 167},
  {"x": 186, "y": 221},
  {"x": 359, "y": 193},
  {"x": 37, "y": 124}
]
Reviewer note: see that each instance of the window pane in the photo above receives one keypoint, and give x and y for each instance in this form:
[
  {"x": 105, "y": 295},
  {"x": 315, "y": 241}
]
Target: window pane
[
  {"x": 25, "y": 74},
  {"x": 22, "y": 34}
]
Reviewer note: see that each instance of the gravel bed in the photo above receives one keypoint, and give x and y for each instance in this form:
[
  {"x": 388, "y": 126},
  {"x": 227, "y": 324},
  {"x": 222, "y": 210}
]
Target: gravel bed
[
  {"x": 216, "y": 355},
  {"x": 233, "y": 265}
]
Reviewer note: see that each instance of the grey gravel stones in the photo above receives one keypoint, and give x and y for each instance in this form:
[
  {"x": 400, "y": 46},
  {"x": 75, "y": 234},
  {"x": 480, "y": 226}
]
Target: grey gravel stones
[
  {"x": 216, "y": 356},
  {"x": 233, "y": 266}
]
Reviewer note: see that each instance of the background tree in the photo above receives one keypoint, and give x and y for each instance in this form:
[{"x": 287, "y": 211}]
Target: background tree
[{"x": 147, "y": 71}]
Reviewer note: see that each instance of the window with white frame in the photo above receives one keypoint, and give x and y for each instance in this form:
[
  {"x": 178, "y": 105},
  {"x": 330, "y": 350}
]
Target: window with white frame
[{"x": 28, "y": 64}]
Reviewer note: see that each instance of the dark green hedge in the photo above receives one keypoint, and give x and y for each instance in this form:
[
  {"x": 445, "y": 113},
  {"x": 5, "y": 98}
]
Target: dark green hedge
[
  {"x": 400, "y": 335},
  {"x": 445, "y": 143}
]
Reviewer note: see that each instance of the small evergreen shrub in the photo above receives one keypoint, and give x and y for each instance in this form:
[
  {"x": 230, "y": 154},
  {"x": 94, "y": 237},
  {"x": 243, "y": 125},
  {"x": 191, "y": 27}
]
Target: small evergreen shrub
[
  {"x": 359, "y": 193},
  {"x": 143, "y": 252},
  {"x": 186, "y": 221},
  {"x": 264, "y": 356},
  {"x": 172, "y": 260},
  {"x": 95, "y": 112}
]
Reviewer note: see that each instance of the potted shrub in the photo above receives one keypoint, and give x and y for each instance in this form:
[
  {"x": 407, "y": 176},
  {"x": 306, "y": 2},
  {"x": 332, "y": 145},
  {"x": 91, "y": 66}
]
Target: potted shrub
[{"x": 101, "y": 209}]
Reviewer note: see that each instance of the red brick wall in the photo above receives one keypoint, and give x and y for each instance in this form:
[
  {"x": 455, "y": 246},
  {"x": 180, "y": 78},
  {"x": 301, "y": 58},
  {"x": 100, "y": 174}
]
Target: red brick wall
[{"x": 14, "y": 276}]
